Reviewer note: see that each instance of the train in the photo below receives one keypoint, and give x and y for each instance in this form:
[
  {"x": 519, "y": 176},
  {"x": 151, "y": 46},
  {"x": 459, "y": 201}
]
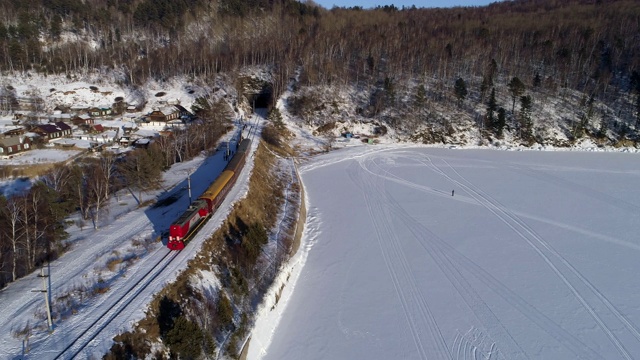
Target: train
[{"x": 202, "y": 208}]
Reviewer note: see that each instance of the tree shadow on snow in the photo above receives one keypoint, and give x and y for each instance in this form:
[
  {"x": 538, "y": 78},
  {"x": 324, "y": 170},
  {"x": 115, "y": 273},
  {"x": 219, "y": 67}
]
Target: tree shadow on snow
[{"x": 169, "y": 205}]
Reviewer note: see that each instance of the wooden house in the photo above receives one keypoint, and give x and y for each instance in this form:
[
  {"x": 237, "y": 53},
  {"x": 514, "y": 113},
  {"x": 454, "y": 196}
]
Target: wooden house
[
  {"x": 52, "y": 131},
  {"x": 96, "y": 129},
  {"x": 99, "y": 111},
  {"x": 82, "y": 119},
  {"x": 185, "y": 114},
  {"x": 10, "y": 146},
  {"x": 142, "y": 143},
  {"x": 14, "y": 130},
  {"x": 164, "y": 115},
  {"x": 62, "y": 108}
]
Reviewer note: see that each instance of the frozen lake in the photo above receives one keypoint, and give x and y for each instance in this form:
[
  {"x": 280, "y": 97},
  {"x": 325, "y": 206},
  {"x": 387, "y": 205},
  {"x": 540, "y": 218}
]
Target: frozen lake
[{"x": 534, "y": 257}]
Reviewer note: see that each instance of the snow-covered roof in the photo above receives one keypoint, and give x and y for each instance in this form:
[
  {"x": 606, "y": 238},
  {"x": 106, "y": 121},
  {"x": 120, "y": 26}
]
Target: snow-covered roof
[
  {"x": 145, "y": 132},
  {"x": 53, "y": 128},
  {"x": 168, "y": 110},
  {"x": 12, "y": 140},
  {"x": 7, "y": 128}
]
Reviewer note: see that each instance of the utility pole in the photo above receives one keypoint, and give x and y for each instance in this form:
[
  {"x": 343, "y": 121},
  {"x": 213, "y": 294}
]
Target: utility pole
[{"x": 46, "y": 297}]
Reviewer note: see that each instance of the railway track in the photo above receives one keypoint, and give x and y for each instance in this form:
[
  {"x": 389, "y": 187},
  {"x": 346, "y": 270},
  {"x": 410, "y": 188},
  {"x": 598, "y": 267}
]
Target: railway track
[
  {"x": 119, "y": 305},
  {"x": 95, "y": 327}
]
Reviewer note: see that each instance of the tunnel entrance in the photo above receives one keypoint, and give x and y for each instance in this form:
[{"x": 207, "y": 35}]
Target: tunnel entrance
[{"x": 261, "y": 99}]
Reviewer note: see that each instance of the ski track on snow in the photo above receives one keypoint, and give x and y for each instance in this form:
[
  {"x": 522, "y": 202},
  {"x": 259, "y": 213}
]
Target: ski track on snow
[
  {"x": 450, "y": 261},
  {"x": 564, "y": 270},
  {"x": 471, "y": 200},
  {"x": 411, "y": 298},
  {"x": 462, "y": 287}
]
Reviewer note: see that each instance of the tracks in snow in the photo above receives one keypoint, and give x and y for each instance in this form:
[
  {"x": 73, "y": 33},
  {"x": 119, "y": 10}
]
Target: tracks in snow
[
  {"x": 463, "y": 274},
  {"x": 425, "y": 332},
  {"x": 593, "y": 301},
  {"x": 119, "y": 305}
]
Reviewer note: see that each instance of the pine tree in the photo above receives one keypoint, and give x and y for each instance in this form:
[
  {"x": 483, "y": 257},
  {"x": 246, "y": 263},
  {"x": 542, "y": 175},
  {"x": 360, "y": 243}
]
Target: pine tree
[
  {"x": 516, "y": 88},
  {"x": 276, "y": 118},
  {"x": 537, "y": 80},
  {"x": 635, "y": 86},
  {"x": 185, "y": 339},
  {"x": 484, "y": 86},
  {"x": 390, "y": 91},
  {"x": 419, "y": 101},
  {"x": 637, "y": 111},
  {"x": 224, "y": 311},
  {"x": 491, "y": 109},
  {"x": 56, "y": 27},
  {"x": 602, "y": 126},
  {"x": 502, "y": 121},
  {"x": 460, "y": 90},
  {"x": 487, "y": 78},
  {"x": 526, "y": 123},
  {"x": 420, "y": 97}
]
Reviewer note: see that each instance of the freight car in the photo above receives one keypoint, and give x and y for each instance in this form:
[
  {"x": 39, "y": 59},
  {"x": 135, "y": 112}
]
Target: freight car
[{"x": 200, "y": 210}]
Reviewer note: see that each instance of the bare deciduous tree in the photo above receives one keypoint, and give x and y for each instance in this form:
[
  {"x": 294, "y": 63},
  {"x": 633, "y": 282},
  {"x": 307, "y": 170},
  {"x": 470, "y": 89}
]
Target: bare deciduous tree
[{"x": 12, "y": 211}]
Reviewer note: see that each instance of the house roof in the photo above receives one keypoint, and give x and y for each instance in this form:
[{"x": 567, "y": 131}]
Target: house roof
[
  {"x": 100, "y": 108},
  {"x": 54, "y": 128},
  {"x": 11, "y": 141},
  {"x": 182, "y": 109},
  {"x": 8, "y": 128},
  {"x": 167, "y": 110}
]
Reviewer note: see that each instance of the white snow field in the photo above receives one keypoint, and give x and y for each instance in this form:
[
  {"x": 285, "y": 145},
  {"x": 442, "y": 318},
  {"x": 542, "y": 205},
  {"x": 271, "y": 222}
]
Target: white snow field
[{"x": 536, "y": 256}]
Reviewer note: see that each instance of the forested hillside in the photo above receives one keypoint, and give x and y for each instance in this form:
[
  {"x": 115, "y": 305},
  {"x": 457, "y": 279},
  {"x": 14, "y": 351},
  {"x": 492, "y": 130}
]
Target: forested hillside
[
  {"x": 407, "y": 61},
  {"x": 534, "y": 72},
  {"x": 516, "y": 72}
]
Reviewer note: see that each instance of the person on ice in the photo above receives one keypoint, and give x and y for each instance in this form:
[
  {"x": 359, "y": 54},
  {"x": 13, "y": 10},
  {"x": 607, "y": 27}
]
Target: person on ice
[{"x": 452, "y": 192}]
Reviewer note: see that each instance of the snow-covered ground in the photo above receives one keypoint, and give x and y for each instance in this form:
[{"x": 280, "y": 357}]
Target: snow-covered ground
[
  {"x": 104, "y": 266},
  {"x": 533, "y": 257},
  {"x": 40, "y": 156}
]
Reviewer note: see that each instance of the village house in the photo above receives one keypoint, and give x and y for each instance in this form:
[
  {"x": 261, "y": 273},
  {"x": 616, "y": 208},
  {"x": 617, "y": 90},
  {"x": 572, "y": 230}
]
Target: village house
[
  {"x": 59, "y": 116},
  {"x": 106, "y": 137},
  {"x": 10, "y": 146},
  {"x": 97, "y": 129},
  {"x": 12, "y": 130},
  {"x": 185, "y": 114},
  {"x": 52, "y": 131},
  {"x": 78, "y": 109},
  {"x": 23, "y": 117},
  {"x": 82, "y": 119},
  {"x": 164, "y": 115},
  {"x": 99, "y": 111},
  {"x": 142, "y": 143},
  {"x": 62, "y": 109}
]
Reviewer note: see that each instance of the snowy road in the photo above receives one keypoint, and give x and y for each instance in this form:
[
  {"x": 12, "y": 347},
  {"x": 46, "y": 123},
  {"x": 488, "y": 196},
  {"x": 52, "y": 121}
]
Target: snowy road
[{"x": 535, "y": 257}]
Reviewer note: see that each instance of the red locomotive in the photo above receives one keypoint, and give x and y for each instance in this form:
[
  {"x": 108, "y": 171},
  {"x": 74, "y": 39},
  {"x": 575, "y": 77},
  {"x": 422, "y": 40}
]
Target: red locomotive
[{"x": 199, "y": 211}]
